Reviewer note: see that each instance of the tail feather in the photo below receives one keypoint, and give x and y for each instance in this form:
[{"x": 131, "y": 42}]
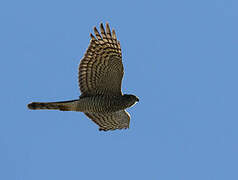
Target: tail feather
[{"x": 62, "y": 105}]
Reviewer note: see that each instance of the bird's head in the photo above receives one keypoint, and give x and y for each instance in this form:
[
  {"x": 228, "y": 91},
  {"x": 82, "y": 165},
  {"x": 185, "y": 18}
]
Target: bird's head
[{"x": 131, "y": 99}]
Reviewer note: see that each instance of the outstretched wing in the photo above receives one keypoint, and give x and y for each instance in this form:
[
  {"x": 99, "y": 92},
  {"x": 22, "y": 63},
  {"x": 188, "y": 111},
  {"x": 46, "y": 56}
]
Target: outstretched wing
[
  {"x": 101, "y": 69},
  {"x": 111, "y": 121}
]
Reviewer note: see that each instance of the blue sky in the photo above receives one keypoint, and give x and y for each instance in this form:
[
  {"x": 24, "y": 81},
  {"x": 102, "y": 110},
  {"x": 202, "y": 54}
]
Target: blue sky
[{"x": 180, "y": 58}]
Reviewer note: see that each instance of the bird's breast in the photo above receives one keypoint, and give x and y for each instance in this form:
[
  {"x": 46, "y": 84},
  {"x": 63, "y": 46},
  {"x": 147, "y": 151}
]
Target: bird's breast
[{"x": 99, "y": 104}]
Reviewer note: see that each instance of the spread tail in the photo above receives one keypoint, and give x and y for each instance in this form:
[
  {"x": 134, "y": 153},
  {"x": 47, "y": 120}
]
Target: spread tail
[{"x": 62, "y": 106}]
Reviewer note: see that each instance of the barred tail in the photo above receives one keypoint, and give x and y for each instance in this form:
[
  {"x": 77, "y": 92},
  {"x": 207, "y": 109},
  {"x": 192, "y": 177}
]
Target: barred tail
[{"x": 62, "y": 106}]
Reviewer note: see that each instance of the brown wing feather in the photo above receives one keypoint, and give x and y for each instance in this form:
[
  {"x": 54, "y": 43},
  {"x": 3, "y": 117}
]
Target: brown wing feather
[
  {"x": 101, "y": 69},
  {"x": 111, "y": 121}
]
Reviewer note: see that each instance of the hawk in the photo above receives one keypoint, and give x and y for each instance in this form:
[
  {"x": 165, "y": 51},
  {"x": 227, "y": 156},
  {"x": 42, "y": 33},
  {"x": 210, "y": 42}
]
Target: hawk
[{"x": 100, "y": 76}]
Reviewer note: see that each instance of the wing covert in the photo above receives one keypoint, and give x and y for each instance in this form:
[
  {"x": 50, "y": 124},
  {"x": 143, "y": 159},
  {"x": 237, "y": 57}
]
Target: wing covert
[{"x": 111, "y": 121}]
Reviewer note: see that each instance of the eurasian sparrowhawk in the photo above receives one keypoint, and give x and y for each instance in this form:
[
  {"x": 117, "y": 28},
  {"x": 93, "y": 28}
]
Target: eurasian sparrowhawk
[{"x": 100, "y": 76}]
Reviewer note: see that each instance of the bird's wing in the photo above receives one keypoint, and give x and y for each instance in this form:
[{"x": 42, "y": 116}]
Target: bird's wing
[
  {"x": 101, "y": 69},
  {"x": 111, "y": 121}
]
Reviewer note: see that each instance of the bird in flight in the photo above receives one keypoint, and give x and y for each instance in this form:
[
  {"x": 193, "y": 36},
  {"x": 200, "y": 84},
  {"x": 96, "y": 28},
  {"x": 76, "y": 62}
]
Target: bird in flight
[{"x": 100, "y": 77}]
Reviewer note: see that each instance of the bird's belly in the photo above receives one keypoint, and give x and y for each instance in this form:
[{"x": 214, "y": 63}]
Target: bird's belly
[{"x": 98, "y": 105}]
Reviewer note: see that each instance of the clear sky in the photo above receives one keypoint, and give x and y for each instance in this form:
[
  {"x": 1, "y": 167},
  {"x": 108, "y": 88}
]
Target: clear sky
[{"x": 180, "y": 59}]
